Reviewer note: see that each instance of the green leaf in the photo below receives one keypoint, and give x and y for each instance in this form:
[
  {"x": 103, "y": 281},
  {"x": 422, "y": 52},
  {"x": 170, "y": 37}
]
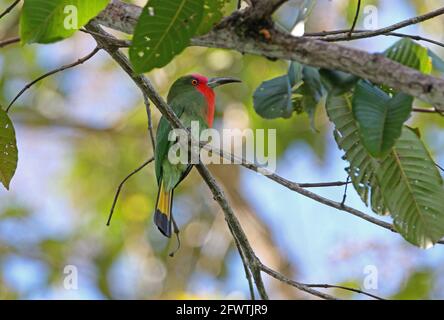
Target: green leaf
[
  {"x": 45, "y": 21},
  {"x": 295, "y": 73},
  {"x": 213, "y": 13},
  {"x": 405, "y": 183},
  {"x": 410, "y": 54},
  {"x": 8, "y": 149},
  {"x": 380, "y": 117},
  {"x": 273, "y": 98},
  {"x": 337, "y": 82},
  {"x": 412, "y": 188},
  {"x": 164, "y": 30},
  {"x": 361, "y": 169},
  {"x": 310, "y": 93},
  {"x": 291, "y": 13},
  {"x": 300, "y": 90}
]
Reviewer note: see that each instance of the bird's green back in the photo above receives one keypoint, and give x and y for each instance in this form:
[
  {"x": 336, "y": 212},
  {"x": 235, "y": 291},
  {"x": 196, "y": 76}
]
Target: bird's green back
[{"x": 189, "y": 106}]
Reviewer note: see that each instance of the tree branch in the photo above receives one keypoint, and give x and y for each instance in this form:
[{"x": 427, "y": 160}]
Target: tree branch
[
  {"x": 235, "y": 32},
  {"x": 6, "y": 42}
]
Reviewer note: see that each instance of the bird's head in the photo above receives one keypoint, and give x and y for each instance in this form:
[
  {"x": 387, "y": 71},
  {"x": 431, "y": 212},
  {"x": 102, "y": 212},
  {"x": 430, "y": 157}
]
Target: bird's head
[
  {"x": 197, "y": 91},
  {"x": 197, "y": 83}
]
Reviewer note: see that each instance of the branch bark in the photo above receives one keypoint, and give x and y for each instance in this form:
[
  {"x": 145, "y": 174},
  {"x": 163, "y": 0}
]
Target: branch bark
[{"x": 236, "y": 32}]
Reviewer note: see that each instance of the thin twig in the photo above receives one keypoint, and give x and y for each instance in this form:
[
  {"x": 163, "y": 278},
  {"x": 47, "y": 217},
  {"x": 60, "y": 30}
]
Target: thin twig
[
  {"x": 324, "y": 34},
  {"x": 324, "y": 184},
  {"x": 355, "y": 20},
  {"x": 245, "y": 265},
  {"x": 62, "y": 68},
  {"x": 439, "y": 167},
  {"x": 330, "y": 286},
  {"x": 119, "y": 188},
  {"x": 9, "y": 9},
  {"x": 176, "y": 232},
  {"x": 295, "y": 284},
  {"x": 421, "y": 110},
  {"x": 385, "y": 30},
  {"x": 6, "y": 42},
  {"x": 344, "y": 197}
]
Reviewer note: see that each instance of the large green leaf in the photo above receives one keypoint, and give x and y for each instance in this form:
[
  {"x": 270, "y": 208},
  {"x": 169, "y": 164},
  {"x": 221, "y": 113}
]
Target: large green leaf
[
  {"x": 380, "y": 117},
  {"x": 405, "y": 183},
  {"x": 410, "y": 54},
  {"x": 8, "y": 149},
  {"x": 361, "y": 170},
  {"x": 273, "y": 98},
  {"x": 412, "y": 188},
  {"x": 46, "y": 21},
  {"x": 164, "y": 30}
]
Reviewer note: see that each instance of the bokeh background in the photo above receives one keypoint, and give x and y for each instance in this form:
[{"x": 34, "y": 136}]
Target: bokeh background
[{"x": 82, "y": 131}]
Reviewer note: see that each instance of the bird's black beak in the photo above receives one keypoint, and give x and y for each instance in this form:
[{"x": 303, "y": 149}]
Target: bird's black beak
[{"x": 215, "y": 82}]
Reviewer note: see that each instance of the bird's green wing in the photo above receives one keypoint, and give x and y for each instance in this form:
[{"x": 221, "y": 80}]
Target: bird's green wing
[{"x": 162, "y": 143}]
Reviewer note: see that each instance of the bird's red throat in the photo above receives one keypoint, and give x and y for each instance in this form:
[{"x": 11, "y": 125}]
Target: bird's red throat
[{"x": 209, "y": 96}]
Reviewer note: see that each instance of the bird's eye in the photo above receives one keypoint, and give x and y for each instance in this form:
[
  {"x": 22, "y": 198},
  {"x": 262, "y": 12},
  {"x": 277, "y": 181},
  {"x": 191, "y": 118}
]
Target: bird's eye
[{"x": 194, "y": 82}]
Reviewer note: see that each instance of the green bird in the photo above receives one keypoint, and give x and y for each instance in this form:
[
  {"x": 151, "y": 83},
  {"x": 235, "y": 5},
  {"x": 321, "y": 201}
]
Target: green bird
[{"x": 192, "y": 99}]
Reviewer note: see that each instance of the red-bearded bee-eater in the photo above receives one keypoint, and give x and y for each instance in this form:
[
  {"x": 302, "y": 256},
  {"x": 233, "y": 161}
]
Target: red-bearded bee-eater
[{"x": 192, "y": 99}]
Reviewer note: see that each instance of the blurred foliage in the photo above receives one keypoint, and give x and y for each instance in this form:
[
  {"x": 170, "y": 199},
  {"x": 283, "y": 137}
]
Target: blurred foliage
[
  {"x": 417, "y": 287},
  {"x": 103, "y": 142}
]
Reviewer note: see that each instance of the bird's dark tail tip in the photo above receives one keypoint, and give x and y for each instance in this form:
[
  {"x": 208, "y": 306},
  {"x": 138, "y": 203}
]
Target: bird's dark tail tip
[
  {"x": 163, "y": 222},
  {"x": 162, "y": 215}
]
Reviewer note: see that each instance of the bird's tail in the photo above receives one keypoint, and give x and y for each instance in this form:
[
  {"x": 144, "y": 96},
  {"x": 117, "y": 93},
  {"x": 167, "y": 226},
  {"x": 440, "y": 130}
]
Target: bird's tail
[{"x": 162, "y": 215}]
